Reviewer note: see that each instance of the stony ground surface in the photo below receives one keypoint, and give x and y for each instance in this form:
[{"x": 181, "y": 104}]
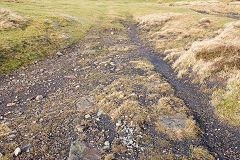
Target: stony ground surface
[{"x": 106, "y": 98}]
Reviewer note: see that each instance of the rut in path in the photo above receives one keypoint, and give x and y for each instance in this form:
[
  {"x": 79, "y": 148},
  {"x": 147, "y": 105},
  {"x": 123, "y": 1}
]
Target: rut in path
[{"x": 220, "y": 138}]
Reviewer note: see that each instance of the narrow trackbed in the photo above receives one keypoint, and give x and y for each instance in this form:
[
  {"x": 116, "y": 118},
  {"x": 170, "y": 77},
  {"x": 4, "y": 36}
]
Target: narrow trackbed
[{"x": 221, "y": 139}]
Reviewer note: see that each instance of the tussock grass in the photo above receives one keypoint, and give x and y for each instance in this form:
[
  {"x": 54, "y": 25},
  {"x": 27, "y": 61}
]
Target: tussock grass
[
  {"x": 10, "y": 20},
  {"x": 200, "y": 153},
  {"x": 203, "y": 46}
]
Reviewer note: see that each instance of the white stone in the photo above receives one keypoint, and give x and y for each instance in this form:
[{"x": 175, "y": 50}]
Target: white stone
[
  {"x": 99, "y": 113},
  {"x": 118, "y": 124},
  {"x": 106, "y": 143},
  {"x": 87, "y": 116},
  {"x": 17, "y": 151}
]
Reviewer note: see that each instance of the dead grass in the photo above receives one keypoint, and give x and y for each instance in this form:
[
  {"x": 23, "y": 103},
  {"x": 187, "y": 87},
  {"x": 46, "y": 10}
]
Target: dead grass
[
  {"x": 122, "y": 48},
  {"x": 209, "y": 7},
  {"x": 169, "y": 106},
  {"x": 10, "y": 20},
  {"x": 4, "y": 129},
  {"x": 143, "y": 64},
  {"x": 171, "y": 30},
  {"x": 128, "y": 107},
  {"x": 204, "y": 46},
  {"x": 209, "y": 57},
  {"x": 201, "y": 153}
]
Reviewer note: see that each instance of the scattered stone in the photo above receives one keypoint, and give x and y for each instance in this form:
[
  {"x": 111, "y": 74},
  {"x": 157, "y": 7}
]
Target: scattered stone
[
  {"x": 59, "y": 53},
  {"x": 17, "y": 151},
  {"x": 39, "y": 97},
  {"x": 87, "y": 116},
  {"x": 1, "y": 155},
  {"x": 11, "y": 104}
]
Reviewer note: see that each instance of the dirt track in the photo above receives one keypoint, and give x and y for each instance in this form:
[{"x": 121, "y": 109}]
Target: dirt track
[{"x": 52, "y": 101}]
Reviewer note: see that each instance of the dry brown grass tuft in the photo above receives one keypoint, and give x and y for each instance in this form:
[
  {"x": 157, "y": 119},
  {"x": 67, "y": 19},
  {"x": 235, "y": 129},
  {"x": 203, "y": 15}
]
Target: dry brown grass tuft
[
  {"x": 157, "y": 20},
  {"x": 201, "y": 153},
  {"x": 122, "y": 48},
  {"x": 128, "y": 107},
  {"x": 212, "y": 56},
  {"x": 4, "y": 129},
  {"x": 169, "y": 106},
  {"x": 143, "y": 64},
  {"x": 170, "y": 30},
  {"x": 210, "y": 7},
  {"x": 10, "y": 20}
]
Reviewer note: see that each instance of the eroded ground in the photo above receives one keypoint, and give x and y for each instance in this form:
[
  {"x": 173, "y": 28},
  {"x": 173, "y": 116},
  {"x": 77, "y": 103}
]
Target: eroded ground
[
  {"x": 104, "y": 99},
  {"x": 113, "y": 97}
]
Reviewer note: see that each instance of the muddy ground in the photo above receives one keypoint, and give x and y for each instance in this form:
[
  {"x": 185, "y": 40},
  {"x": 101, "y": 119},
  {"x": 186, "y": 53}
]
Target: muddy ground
[{"x": 109, "y": 97}]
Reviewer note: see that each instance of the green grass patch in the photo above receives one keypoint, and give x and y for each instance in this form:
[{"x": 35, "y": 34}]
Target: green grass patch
[{"x": 55, "y": 24}]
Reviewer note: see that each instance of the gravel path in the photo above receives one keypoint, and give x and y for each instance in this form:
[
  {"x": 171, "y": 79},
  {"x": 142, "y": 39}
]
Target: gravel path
[{"x": 99, "y": 100}]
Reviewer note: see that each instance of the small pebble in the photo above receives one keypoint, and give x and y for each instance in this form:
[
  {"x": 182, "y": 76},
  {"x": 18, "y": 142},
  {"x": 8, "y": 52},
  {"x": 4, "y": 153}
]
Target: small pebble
[
  {"x": 11, "y": 104},
  {"x": 59, "y": 53},
  {"x": 106, "y": 143},
  {"x": 87, "y": 116},
  {"x": 39, "y": 97},
  {"x": 17, "y": 151}
]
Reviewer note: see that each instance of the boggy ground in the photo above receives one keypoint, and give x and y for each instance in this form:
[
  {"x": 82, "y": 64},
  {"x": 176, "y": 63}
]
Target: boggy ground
[{"x": 103, "y": 99}]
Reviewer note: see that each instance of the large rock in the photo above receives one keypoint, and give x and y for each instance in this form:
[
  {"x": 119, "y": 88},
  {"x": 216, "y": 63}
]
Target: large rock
[
  {"x": 173, "y": 121},
  {"x": 81, "y": 151},
  {"x": 85, "y": 103},
  {"x": 77, "y": 150}
]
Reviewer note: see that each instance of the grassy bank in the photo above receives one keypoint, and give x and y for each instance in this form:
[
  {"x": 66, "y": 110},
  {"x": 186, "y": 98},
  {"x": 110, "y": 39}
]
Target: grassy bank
[{"x": 200, "y": 39}]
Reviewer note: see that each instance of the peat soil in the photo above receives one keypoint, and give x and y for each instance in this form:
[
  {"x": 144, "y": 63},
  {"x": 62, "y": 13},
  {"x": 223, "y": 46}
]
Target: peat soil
[
  {"x": 221, "y": 139},
  {"x": 43, "y": 105}
]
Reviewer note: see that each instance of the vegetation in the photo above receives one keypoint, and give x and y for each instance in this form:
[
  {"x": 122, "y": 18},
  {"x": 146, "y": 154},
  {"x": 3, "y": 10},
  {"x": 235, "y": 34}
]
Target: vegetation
[{"x": 35, "y": 29}]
